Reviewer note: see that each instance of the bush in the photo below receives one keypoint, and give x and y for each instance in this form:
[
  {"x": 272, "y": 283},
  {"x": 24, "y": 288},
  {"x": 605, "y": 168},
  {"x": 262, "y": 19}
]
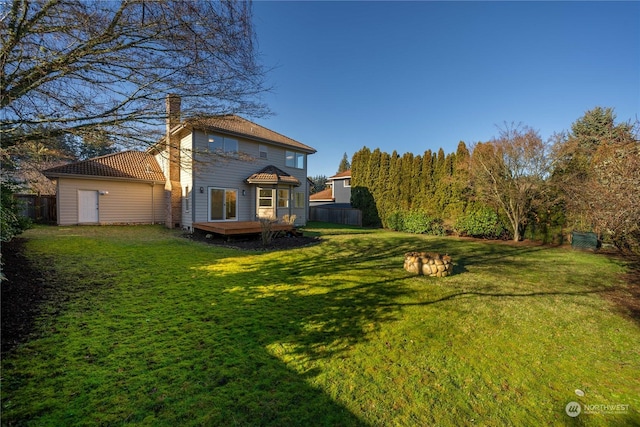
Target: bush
[
  {"x": 11, "y": 222},
  {"x": 480, "y": 222},
  {"x": 417, "y": 222},
  {"x": 395, "y": 221}
]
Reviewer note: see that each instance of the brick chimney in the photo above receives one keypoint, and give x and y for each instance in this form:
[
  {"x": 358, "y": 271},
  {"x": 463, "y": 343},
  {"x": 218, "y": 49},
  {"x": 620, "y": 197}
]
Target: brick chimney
[{"x": 172, "y": 188}]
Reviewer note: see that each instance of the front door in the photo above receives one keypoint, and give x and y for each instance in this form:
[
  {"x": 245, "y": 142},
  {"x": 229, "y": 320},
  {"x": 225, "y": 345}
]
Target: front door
[
  {"x": 87, "y": 207},
  {"x": 266, "y": 202},
  {"x": 223, "y": 204}
]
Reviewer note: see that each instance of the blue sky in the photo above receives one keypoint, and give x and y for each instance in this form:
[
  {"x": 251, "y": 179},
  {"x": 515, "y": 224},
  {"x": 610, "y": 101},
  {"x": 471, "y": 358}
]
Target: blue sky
[{"x": 412, "y": 76}]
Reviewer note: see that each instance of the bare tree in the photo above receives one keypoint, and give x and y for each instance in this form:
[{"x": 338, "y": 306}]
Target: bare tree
[
  {"x": 81, "y": 67},
  {"x": 598, "y": 175},
  {"x": 509, "y": 172},
  {"x": 612, "y": 193}
]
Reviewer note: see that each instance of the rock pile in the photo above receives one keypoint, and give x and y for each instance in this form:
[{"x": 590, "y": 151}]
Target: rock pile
[{"x": 428, "y": 264}]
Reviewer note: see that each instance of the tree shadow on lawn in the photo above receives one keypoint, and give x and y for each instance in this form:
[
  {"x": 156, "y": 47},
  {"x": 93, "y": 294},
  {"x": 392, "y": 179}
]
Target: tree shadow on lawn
[
  {"x": 215, "y": 347},
  {"x": 246, "y": 348},
  {"x": 292, "y": 313},
  {"x": 220, "y": 362},
  {"x": 468, "y": 255},
  {"x": 272, "y": 327},
  {"x": 327, "y": 303}
]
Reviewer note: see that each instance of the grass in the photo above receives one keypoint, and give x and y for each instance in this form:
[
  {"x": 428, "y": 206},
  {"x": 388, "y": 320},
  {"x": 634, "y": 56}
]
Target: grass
[{"x": 149, "y": 328}]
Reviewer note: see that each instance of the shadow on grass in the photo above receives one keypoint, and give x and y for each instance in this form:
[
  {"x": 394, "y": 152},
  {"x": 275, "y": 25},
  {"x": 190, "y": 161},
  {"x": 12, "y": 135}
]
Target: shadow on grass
[
  {"x": 202, "y": 348},
  {"x": 236, "y": 347}
]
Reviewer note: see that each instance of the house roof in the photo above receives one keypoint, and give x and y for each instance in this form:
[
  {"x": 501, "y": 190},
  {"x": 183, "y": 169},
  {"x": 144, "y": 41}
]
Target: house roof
[
  {"x": 242, "y": 127},
  {"x": 272, "y": 175},
  {"x": 325, "y": 194},
  {"x": 128, "y": 165},
  {"x": 345, "y": 174}
]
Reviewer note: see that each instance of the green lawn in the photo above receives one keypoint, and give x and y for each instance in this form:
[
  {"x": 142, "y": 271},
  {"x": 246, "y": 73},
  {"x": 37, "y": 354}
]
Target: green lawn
[{"x": 150, "y": 328}]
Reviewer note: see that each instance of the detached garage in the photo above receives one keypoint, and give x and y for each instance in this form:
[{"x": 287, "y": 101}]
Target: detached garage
[{"x": 120, "y": 188}]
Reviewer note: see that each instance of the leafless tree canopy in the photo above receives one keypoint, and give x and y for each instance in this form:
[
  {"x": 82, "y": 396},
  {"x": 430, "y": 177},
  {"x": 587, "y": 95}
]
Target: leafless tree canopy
[
  {"x": 509, "y": 172},
  {"x": 77, "y": 67}
]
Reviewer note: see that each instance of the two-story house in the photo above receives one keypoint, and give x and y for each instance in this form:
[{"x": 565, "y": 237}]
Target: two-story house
[
  {"x": 337, "y": 194},
  {"x": 212, "y": 169}
]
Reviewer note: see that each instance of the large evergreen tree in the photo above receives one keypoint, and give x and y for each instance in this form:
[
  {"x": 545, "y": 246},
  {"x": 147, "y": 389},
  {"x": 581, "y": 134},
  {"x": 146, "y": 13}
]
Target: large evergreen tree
[{"x": 344, "y": 164}]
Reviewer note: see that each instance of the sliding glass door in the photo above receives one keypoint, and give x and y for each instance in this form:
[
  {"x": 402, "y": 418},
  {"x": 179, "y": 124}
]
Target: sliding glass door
[{"x": 223, "y": 204}]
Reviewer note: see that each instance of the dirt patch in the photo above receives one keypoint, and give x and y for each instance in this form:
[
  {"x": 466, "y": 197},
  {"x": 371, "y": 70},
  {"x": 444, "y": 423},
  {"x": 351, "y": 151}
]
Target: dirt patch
[
  {"x": 22, "y": 294},
  {"x": 254, "y": 242}
]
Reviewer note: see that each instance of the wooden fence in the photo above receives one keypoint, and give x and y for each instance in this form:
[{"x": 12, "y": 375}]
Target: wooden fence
[
  {"x": 346, "y": 216},
  {"x": 41, "y": 209}
]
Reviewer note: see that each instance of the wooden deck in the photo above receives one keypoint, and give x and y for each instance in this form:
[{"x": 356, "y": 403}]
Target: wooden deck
[{"x": 231, "y": 228}]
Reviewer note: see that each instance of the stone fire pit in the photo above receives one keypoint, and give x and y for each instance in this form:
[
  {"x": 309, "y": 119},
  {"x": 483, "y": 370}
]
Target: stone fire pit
[{"x": 428, "y": 264}]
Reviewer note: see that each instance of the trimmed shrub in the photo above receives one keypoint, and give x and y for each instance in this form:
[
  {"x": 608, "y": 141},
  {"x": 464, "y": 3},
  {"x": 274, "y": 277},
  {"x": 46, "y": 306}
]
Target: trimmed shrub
[
  {"x": 395, "y": 221},
  {"x": 419, "y": 222},
  {"x": 415, "y": 221},
  {"x": 480, "y": 222}
]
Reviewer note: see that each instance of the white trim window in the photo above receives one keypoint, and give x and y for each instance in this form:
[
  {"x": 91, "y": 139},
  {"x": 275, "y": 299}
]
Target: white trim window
[
  {"x": 299, "y": 200},
  {"x": 283, "y": 198}
]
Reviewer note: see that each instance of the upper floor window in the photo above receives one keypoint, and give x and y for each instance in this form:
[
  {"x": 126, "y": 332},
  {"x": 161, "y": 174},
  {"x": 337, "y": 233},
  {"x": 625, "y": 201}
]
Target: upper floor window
[
  {"x": 263, "y": 151},
  {"x": 294, "y": 160},
  {"x": 222, "y": 144},
  {"x": 347, "y": 182}
]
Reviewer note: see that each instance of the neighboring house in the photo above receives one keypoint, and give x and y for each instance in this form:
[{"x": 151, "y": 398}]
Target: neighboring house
[
  {"x": 120, "y": 188},
  {"x": 338, "y": 193},
  {"x": 213, "y": 169},
  {"x": 334, "y": 203}
]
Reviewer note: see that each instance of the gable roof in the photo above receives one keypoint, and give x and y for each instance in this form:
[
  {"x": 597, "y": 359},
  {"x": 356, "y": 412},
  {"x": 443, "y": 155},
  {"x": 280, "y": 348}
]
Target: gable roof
[
  {"x": 345, "y": 174},
  {"x": 272, "y": 175},
  {"x": 127, "y": 165},
  {"x": 235, "y": 125}
]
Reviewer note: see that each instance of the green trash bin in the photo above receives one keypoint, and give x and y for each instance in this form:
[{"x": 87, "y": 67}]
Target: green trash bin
[{"x": 582, "y": 240}]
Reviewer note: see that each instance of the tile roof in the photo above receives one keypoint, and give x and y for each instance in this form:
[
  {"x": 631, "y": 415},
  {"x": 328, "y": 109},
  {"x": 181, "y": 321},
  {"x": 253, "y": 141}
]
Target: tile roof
[
  {"x": 243, "y": 127},
  {"x": 272, "y": 175},
  {"x": 325, "y": 194},
  {"x": 129, "y": 165},
  {"x": 345, "y": 174}
]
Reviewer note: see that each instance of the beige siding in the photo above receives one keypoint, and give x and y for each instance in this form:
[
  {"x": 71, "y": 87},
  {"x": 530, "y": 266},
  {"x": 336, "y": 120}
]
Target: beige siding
[
  {"x": 163, "y": 160},
  {"x": 126, "y": 202},
  {"x": 211, "y": 171}
]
